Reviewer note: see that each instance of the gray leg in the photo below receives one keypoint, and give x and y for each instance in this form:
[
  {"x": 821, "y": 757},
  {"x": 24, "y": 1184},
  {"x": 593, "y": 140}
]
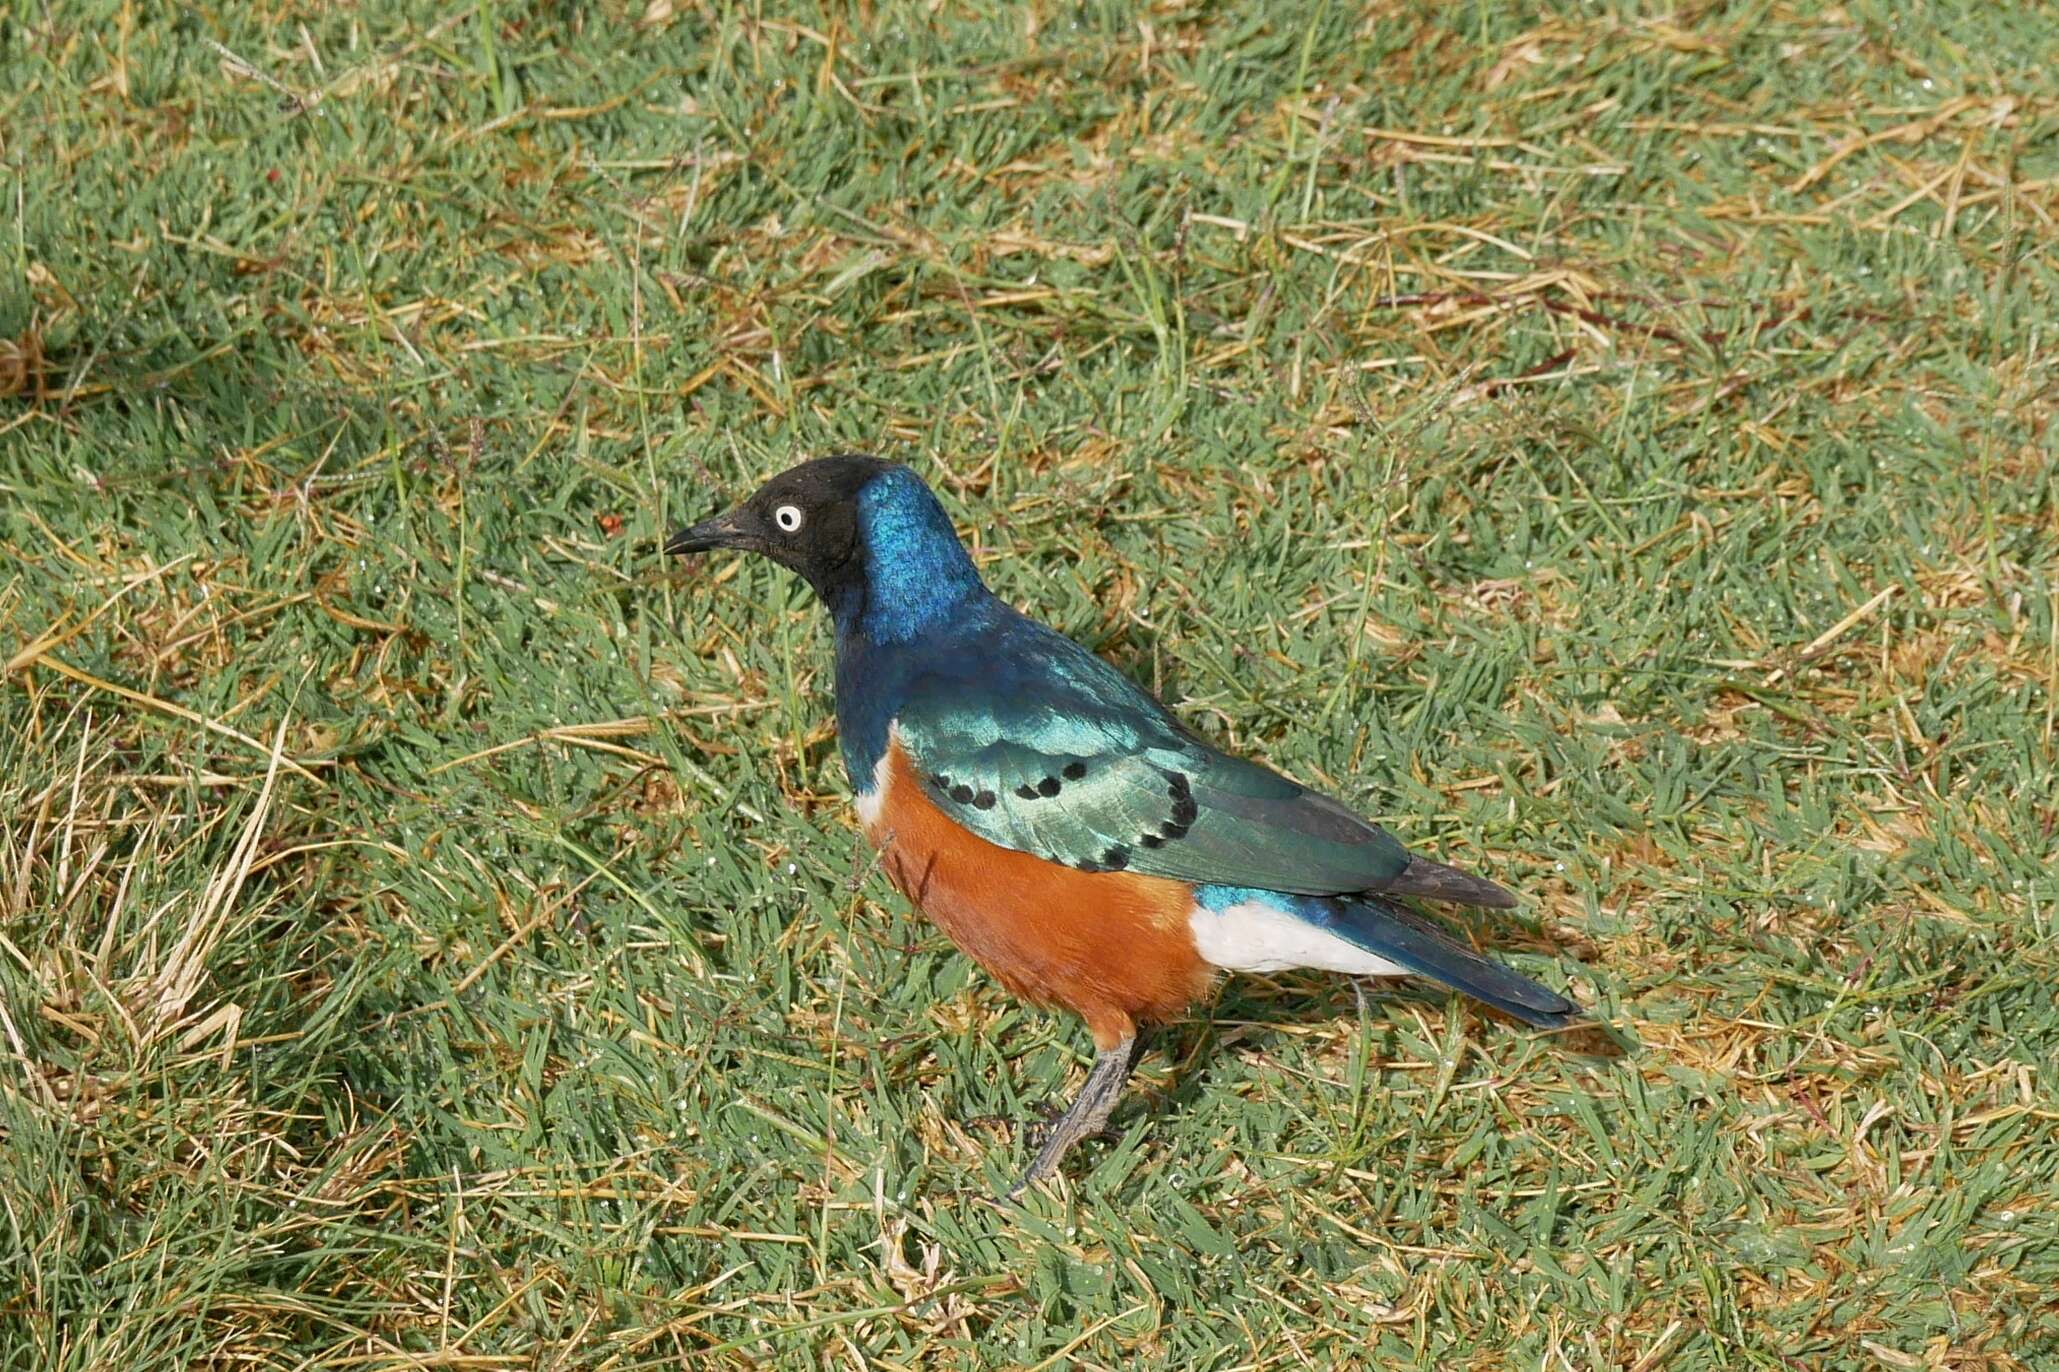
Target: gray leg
[{"x": 1088, "y": 1112}]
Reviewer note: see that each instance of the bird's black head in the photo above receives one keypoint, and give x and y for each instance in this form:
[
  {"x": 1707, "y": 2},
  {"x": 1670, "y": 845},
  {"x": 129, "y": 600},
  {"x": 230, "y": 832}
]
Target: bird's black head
[
  {"x": 806, "y": 518},
  {"x": 867, "y": 535}
]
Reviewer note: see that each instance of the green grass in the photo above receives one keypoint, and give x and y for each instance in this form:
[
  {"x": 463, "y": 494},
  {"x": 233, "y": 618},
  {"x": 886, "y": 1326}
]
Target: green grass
[{"x": 1615, "y": 446}]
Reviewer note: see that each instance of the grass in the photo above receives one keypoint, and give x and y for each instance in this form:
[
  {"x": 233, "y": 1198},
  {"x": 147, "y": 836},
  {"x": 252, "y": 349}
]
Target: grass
[{"x": 1613, "y": 445}]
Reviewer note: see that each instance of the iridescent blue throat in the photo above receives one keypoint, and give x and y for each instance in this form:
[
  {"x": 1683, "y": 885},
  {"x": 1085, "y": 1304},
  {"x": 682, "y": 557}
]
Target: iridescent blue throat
[{"x": 916, "y": 570}]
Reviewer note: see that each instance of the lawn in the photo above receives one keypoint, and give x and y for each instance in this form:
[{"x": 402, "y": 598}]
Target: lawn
[{"x": 1614, "y": 446}]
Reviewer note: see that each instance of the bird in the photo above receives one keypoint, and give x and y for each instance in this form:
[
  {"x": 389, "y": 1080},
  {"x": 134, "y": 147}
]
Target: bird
[{"x": 1056, "y": 821}]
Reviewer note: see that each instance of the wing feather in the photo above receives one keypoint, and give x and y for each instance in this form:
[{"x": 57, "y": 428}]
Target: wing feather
[{"x": 1078, "y": 766}]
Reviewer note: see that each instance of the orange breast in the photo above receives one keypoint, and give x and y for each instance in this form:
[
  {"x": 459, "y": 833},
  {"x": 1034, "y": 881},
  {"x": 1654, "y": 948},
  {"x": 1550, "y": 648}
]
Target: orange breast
[{"x": 1113, "y": 947}]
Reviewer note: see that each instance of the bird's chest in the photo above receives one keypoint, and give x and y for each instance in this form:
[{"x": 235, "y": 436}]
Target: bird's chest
[{"x": 1110, "y": 945}]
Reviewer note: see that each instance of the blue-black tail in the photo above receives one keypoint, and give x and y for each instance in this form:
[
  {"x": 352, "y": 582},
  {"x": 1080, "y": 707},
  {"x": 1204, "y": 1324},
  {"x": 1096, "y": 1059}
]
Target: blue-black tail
[{"x": 1410, "y": 941}]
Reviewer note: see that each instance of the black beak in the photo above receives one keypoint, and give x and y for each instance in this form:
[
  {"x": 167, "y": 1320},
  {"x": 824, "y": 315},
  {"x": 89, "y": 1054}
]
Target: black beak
[{"x": 723, "y": 531}]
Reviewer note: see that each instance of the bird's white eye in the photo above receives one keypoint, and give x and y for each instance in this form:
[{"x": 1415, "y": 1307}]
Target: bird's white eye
[{"x": 788, "y": 517}]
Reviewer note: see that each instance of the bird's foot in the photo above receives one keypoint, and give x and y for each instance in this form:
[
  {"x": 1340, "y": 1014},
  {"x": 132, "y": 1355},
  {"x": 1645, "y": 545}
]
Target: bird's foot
[
  {"x": 1035, "y": 1133},
  {"x": 1041, "y": 1137},
  {"x": 1085, "y": 1118}
]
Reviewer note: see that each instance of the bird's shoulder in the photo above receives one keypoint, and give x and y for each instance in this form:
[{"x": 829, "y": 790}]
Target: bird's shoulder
[{"x": 1024, "y": 678}]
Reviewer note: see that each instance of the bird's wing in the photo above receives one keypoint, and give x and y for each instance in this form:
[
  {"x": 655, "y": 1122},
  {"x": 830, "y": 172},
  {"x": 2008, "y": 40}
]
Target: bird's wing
[{"x": 1067, "y": 760}]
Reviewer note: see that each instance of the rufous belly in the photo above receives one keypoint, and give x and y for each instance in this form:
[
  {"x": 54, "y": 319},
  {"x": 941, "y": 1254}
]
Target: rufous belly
[{"x": 1113, "y": 947}]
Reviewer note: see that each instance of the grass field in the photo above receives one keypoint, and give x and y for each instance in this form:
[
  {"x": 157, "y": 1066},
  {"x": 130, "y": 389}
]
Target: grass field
[{"x": 1612, "y": 445}]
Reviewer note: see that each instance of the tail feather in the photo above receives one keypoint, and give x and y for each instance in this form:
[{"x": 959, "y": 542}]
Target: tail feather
[
  {"x": 1408, "y": 940},
  {"x": 1427, "y": 880}
]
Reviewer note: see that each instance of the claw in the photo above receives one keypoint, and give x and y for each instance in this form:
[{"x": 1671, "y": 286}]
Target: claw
[{"x": 1086, "y": 1117}]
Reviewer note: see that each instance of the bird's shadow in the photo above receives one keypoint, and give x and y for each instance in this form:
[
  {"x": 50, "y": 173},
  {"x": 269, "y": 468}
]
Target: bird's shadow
[{"x": 1254, "y": 1015}]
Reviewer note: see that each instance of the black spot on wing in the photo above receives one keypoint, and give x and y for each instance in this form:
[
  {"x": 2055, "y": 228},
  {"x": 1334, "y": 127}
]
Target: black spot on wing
[{"x": 1184, "y": 810}]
